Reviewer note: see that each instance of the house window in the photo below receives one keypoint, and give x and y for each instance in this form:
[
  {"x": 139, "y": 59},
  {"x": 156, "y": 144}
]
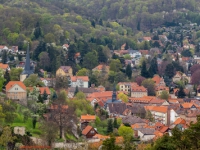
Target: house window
[
  {"x": 16, "y": 88},
  {"x": 92, "y": 132}
]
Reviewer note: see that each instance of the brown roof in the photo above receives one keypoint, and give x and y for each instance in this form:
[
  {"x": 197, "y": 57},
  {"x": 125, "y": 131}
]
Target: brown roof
[
  {"x": 156, "y": 79},
  {"x": 101, "y": 67},
  {"x": 138, "y": 89},
  {"x": 12, "y": 83},
  {"x": 144, "y": 52},
  {"x": 65, "y": 68},
  {"x": 86, "y": 130},
  {"x": 147, "y": 38},
  {"x": 75, "y": 78}
]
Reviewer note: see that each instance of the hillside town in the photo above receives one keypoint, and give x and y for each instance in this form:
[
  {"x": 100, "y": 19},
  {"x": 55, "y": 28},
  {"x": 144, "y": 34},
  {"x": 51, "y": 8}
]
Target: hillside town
[{"x": 148, "y": 92}]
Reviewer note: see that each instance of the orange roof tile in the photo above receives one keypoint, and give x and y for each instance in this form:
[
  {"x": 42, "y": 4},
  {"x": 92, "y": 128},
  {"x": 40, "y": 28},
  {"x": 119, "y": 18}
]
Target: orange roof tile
[
  {"x": 102, "y": 137},
  {"x": 161, "y": 109},
  {"x": 158, "y": 88},
  {"x": 75, "y": 78},
  {"x": 88, "y": 117},
  {"x": 180, "y": 121},
  {"x": 101, "y": 67},
  {"x": 12, "y": 83},
  {"x": 147, "y": 38},
  {"x": 86, "y": 130},
  {"x": 163, "y": 129},
  {"x": 3, "y": 66},
  {"x": 138, "y": 89},
  {"x": 42, "y": 89},
  {"x": 187, "y": 105},
  {"x": 156, "y": 79},
  {"x": 144, "y": 52}
]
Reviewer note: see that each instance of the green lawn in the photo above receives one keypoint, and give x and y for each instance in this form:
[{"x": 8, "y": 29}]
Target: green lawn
[{"x": 28, "y": 124}]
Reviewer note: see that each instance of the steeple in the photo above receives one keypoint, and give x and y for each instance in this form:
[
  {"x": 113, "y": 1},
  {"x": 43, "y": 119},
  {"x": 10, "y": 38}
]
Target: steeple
[
  {"x": 114, "y": 95},
  {"x": 27, "y": 68}
]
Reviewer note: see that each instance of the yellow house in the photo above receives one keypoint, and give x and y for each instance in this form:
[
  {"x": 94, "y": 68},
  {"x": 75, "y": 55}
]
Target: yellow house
[
  {"x": 160, "y": 89},
  {"x": 64, "y": 71}
]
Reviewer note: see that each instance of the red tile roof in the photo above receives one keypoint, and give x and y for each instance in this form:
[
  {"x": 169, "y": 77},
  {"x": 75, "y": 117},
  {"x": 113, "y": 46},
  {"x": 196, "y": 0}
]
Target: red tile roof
[
  {"x": 86, "y": 130},
  {"x": 138, "y": 89},
  {"x": 161, "y": 109},
  {"x": 12, "y": 83},
  {"x": 4, "y": 66},
  {"x": 180, "y": 121},
  {"x": 75, "y": 78},
  {"x": 156, "y": 79},
  {"x": 88, "y": 117},
  {"x": 147, "y": 38}
]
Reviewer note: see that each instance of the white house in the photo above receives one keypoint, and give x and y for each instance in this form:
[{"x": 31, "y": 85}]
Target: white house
[
  {"x": 3, "y": 48},
  {"x": 145, "y": 134},
  {"x": 49, "y": 82},
  {"x": 134, "y": 53},
  {"x": 79, "y": 81}
]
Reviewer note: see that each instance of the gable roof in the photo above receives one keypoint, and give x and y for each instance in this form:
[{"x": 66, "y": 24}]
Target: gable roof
[
  {"x": 41, "y": 89},
  {"x": 87, "y": 130},
  {"x": 65, "y": 68},
  {"x": 162, "y": 109},
  {"x": 75, "y": 78},
  {"x": 138, "y": 89},
  {"x": 101, "y": 67},
  {"x": 132, "y": 120},
  {"x": 156, "y": 79},
  {"x": 146, "y": 131},
  {"x": 187, "y": 105},
  {"x": 180, "y": 121},
  {"x": 12, "y": 83}
]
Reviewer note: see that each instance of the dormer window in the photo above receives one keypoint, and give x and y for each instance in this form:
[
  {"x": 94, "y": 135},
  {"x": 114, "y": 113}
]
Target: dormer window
[{"x": 16, "y": 88}]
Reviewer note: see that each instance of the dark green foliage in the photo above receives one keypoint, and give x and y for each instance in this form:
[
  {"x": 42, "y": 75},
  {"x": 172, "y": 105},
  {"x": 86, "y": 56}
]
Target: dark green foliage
[
  {"x": 34, "y": 121},
  {"x": 90, "y": 60},
  {"x": 186, "y": 53},
  {"x": 37, "y": 31},
  {"x": 101, "y": 56},
  {"x": 153, "y": 67},
  {"x": 129, "y": 71},
  {"x": 126, "y": 46},
  {"x": 40, "y": 99},
  {"x": 71, "y": 53},
  {"x": 115, "y": 125},
  {"x": 4, "y": 57},
  {"x": 45, "y": 95},
  {"x": 76, "y": 90},
  {"x": 40, "y": 48},
  {"x": 169, "y": 71},
  {"x": 181, "y": 93},
  {"x": 93, "y": 23},
  {"x": 6, "y": 77},
  {"x": 110, "y": 126},
  {"x": 144, "y": 71},
  {"x": 109, "y": 144}
]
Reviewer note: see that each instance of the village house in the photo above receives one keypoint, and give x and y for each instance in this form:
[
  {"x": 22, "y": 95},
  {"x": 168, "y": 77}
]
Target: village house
[
  {"x": 160, "y": 89},
  {"x": 86, "y": 119},
  {"x": 134, "y": 53},
  {"x": 79, "y": 81},
  {"x": 86, "y": 91},
  {"x": 65, "y": 46},
  {"x": 41, "y": 90},
  {"x": 49, "y": 82},
  {"x": 3, "y": 48},
  {"x": 145, "y": 134},
  {"x": 116, "y": 109},
  {"x": 89, "y": 132},
  {"x": 179, "y": 76},
  {"x": 126, "y": 86},
  {"x": 158, "y": 80},
  {"x": 65, "y": 71},
  {"x": 16, "y": 90},
  {"x": 138, "y": 91}
]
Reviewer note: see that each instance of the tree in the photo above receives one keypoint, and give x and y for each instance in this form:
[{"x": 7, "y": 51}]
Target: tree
[
  {"x": 169, "y": 71},
  {"x": 123, "y": 97},
  {"x": 88, "y": 62},
  {"x": 150, "y": 85},
  {"x": 49, "y": 38},
  {"x": 37, "y": 31},
  {"x": 44, "y": 60},
  {"x": 82, "y": 72},
  {"x": 144, "y": 72},
  {"x": 64, "y": 118},
  {"x": 164, "y": 95},
  {"x": 40, "y": 99},
  {"x": 4, "y": 57},
  {"x": 181, "y": 93},
  {"x": 149, "y": 116},
  {"x": 33, "y": 80},
  {"x": 26, "y": 114},
  {"x": 115, "y": 124},
  {"x": 110, "y": 126},
  {"x": 115, "y": 65},
  {"x": 109, "y": 144},
  {"x": 45, "y": 95},
  {"x": 139, "y": 80},
  {"x": 101, "y": 56},
  {"x": 153, "y": 69},
  {"x": 15, "y": 74},
  {"x": 2, "y": 80},
  {"x": 194, "y": 68},
  {"x": 195, "y": 77},
  {"x": 6, "y": 77},
  {"x": 49, "y": 131},
  {"x": 61, "y": 83},
  {"x": 76, "y": 90},
  {"x": 7, "y": 139},
  {"x": 129, "y": 71}
]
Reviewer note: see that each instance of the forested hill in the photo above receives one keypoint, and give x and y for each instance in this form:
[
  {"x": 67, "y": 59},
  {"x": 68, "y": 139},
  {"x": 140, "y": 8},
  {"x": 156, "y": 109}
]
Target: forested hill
[{"x": 91, "y": 20}]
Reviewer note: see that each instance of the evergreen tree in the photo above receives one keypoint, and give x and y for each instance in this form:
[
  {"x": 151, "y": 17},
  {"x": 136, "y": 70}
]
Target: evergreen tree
[
  {"x": 115, "y": 125},
  {"x": 45, "y": 95},
  {"x": 110, "y": 126},
  {"x": 40, "y": 99},
  {"x": 6, "y": 77},
  {"x": 101, "y": 56},
  {"x": 76, "y": 90},
  {"x": 37, "y": 31},
  {"x": 129, "y": 71},
  {"x": 40, "y": 48},
  {"x": 93, "y": 23},
  {"x": 71, "y": 53},
  {"x": 144, "y": 71},
  {"x": 126, "y": 46},
  {"x": 169, "y": 71},
  {"x": 138, "y": 26},
  {"x": 197, "y": 48},
  {"x": 101, "y": 22},
  {"x": 4, "y": 57},
  {"x": 153, "y": 69},
  {"x": 181, "y": 93}
]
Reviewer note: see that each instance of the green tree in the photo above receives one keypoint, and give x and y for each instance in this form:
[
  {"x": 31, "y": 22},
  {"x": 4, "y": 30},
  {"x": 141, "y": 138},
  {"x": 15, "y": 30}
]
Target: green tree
[
  {"x": 82, "y": 72},
  {"x": 123, "y": 97},
  {"x": 90, "y": 60},
  {"x": 115, "y": 65},
  {"x": 40, "y": 99},
  {"x": 169, "y": 71},
  {"x": 76, "y": 90},
  {"x": 45, "y": 95},
  {"x": 115, "y": 124},
  {"x": 2, "y": 79},
  {"x": 49, "y": 38},
  {"x": 80, "y": 95},
  {"x": 26, "y": 114},
  {"x": 144, "y": 72},
  {"x": 37, "y": 31},
  {"x": 6, "y": 77},
  {"x": 129, "y": 71},
  {"x": 181, "y": 93},
  {"x": 4, "y": 57},
  {"x": 164, "y": 95},
  {"x": 33, "y": 80},
  {"x": 7, "y": 139},
  {"x": 101, "y": 56},
  {"x": 150, "y": 85},
  {"x": 110, "y": 126},
  {"x": 15, "y": 74},
  {"x": 109, "y": 144},
  {"x": 153, "y": 69}
]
